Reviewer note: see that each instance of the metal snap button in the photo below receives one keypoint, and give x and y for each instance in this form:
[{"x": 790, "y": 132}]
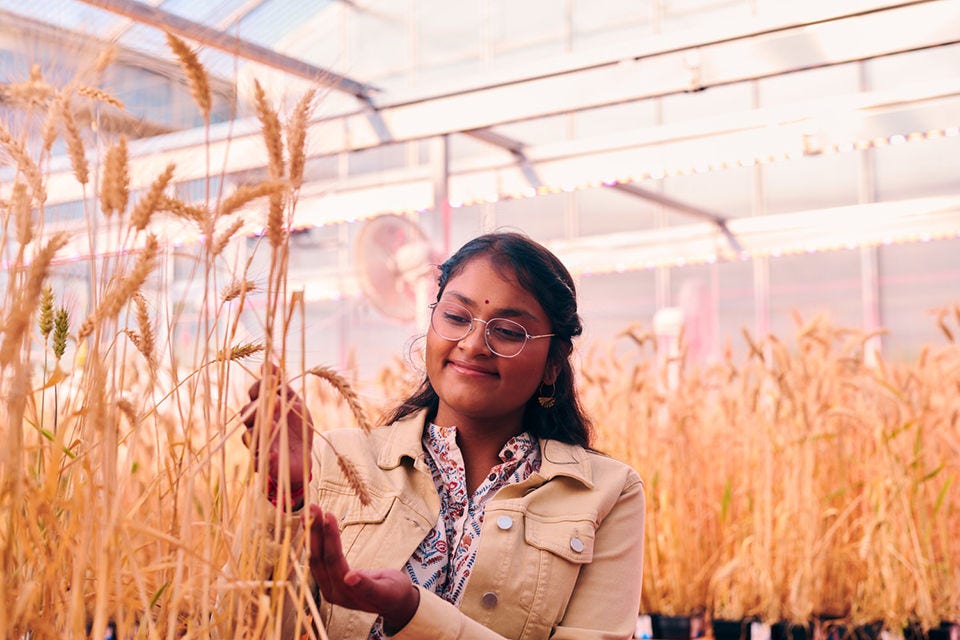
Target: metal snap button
[
  {"x": 576, "y": 544},
  {"x": 488, "y": 600},
  {"x": 504, "y": 522}
]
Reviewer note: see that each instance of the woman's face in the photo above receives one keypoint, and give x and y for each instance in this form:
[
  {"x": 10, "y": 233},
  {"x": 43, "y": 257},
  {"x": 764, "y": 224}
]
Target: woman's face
[{"x": 475, "y": 385}]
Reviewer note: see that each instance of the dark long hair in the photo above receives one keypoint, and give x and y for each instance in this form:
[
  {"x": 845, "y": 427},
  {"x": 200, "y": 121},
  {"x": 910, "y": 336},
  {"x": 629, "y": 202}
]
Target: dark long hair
[{"x": 544, "y": 276}]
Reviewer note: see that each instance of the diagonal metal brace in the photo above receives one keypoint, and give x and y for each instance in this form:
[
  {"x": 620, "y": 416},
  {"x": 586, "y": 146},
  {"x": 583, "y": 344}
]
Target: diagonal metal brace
[{"x": 683, "y": 207}]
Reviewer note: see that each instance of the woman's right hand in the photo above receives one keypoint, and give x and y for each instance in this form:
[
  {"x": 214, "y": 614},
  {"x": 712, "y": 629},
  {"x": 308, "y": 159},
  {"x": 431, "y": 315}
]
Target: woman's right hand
[{"x": 288, "y": 414}]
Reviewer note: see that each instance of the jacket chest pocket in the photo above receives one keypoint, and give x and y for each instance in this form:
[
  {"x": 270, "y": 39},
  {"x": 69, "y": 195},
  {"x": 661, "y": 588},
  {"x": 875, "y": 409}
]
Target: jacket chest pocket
[
  {"x": 526, "y": 571},
  {"x": 561, "y": 547}
]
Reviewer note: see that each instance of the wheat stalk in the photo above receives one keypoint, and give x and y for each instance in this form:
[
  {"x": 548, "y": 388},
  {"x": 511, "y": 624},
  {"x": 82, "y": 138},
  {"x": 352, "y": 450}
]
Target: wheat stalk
[
  {"x": 195, "y": 72},
  {"x": 45, "y": 322},
  {"x": 146, "y": 342},
  {"x": 237, "y": 288},
  {"x": 75, "y": 146},
  {"x": 22, "y": 213},
  {"x": 51, "y": 127},
  {"x": 353, "y": 478},
  {"x": 25, "y": 165},
  {"x": 28, "y": 298},
  {"x": 99, "y": 95},
  {"x": 115, "y": 186},
  {"x": 149, "y": 202},
  {"x": 122, "y": 289},
  {"x": 179, "y": 208},
  {"x": 247, "y": 193},
  {"x": 239, "y": 351},
  {"x": 35, "y": 92},
  {"x": 273, "y": 141},
  {"x": 221, "y": 241},
  {"x": 346, "y": 391},
  {"x": 296, "y": 137}
]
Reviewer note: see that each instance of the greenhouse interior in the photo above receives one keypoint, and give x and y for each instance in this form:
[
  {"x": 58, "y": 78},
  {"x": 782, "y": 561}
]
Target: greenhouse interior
[{"x": 758, "y": 202}]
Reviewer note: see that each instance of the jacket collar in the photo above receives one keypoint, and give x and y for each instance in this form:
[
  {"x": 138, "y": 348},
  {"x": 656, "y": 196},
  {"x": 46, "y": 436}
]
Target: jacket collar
[
  {"x": 562, "y": 459},
  {"x": 403, "y": 440}
]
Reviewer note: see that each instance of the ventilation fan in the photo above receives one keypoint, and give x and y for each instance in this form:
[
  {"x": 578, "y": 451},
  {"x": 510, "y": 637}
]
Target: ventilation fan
[{"x": 396, "y": 266}]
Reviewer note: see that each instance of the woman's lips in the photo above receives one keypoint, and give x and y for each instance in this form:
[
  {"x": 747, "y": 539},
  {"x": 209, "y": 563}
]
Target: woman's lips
[{"x": 472, "y": 369}]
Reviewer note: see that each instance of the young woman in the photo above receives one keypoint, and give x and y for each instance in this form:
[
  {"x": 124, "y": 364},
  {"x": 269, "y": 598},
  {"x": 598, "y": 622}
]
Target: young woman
[{"x": 489, "y": 516}]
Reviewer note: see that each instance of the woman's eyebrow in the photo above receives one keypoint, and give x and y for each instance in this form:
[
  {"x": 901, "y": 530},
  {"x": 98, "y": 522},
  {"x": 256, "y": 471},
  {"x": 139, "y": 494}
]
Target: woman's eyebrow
[{"x": 503, "y": 312}]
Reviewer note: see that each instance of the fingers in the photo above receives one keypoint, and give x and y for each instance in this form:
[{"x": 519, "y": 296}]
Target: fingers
[
  {"x": 385, "y": 591},
  {"x": 323, "y": 560}
]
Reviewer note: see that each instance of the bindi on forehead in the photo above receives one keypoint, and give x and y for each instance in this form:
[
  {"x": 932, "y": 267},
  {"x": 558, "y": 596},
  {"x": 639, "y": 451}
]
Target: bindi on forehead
[{"x": 486, "y": 302}]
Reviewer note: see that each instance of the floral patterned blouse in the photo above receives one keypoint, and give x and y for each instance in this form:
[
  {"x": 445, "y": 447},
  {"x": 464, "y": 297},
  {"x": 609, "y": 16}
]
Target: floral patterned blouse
[{"x": 444, "y": 559}]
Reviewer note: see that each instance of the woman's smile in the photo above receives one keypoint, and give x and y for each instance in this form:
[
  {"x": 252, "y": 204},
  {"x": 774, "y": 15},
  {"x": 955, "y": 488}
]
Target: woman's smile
[{"x": 473, "y": 370}]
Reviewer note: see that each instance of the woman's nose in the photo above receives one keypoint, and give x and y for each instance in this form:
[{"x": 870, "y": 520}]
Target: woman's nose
[{"x": 475, "y": 341}]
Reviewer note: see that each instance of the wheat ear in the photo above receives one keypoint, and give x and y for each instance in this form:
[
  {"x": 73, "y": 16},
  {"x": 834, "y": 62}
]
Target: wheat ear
[
  {"x": 51, "y": 126},
  {"x": 237, "y": 288},
  {"x": 239, "y": 351},
  {"x": 29, "y": 297},
  {"x": 22, "y": 213},
  {"x": 115, "y": 187},
  {"x": 297, "y": 136},
  {"x": 120, "y": 291},
  {"x": 75, "y": 147},
  {"x": 343, "y": 387},
  {"x": 184, "y": 211},
  {"x": 221, "y": 241},
  {"x": 148, "y": 203},
  {"x": 195, "y": 72},
  {"x": 274, "y": 142},
  {"x": 353, "y": 478},
  {"x": 248, "y": 193},
  {"x": 146, "y": 338},
  {"x": 99, "y": 95},
  {"x": 24, "y": 164}
]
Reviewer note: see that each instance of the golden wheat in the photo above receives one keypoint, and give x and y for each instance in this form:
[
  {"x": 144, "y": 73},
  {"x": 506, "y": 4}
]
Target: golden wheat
[
  {"x": 21, "y": 308},
  {"x": 223, "y": 239},
  {"x": 247, "y": 193},
  {"x": 22, "y": 213},
  {"x": 296, "y": 137},
  {"x": 149, "y": 202},
  {"x": 236, "y": 289},
  {"x": 115, "y": 186},
  {"x": 346, "y": 391},
  {"x": 75, "y": 144},
  {"x": 123, "y": 289},
  {"x": 99, "y": 95},
  {"x": 195, "y": 72}
]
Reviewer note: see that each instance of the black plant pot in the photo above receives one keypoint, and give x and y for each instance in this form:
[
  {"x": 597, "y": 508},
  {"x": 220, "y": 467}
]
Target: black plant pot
[
  {"x": 839, "y": 631},
  {"x": 946, "y": 631},
  {"x": 790, "y": 631},
  {"x": 731, "y": 629},
  {"x": 676, "y": 627}
]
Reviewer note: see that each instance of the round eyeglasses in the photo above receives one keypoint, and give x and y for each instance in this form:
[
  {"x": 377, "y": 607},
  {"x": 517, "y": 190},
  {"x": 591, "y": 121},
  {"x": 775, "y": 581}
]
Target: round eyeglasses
[{"x": 504, "y": 338}]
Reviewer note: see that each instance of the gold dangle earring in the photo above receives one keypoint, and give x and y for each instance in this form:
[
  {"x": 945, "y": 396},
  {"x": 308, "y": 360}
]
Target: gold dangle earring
[{"x": 547, "y": 401}]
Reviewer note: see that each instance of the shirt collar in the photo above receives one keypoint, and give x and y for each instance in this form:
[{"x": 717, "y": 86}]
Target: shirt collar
[{"x": 558, "y": 458}]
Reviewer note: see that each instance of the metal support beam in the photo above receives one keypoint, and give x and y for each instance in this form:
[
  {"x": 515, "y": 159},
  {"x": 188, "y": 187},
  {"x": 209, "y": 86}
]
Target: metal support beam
[
  {"x": 210, "y": 37},
  {"x": 718, "y": 220},
  {"x": 516, "y": 149}
]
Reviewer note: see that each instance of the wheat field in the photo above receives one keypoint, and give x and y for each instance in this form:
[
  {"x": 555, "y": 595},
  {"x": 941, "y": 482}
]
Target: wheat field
[{"x": 806, "y": 480}]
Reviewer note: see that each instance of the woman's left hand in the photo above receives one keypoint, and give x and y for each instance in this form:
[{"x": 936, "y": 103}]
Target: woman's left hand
[{"x": 387, "y": 592}]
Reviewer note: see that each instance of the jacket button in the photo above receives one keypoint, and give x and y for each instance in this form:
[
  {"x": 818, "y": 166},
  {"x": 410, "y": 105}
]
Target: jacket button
[
  {"x": 576, "y": 544},
  {"x": 488, "y": 600},
  {"x": 504, "y": 522}
]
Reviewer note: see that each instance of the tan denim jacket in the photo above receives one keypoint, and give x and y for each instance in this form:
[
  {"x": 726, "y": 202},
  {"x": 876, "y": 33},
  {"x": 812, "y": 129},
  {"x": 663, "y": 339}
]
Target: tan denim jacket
[{"x": 560, "y": 555}]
